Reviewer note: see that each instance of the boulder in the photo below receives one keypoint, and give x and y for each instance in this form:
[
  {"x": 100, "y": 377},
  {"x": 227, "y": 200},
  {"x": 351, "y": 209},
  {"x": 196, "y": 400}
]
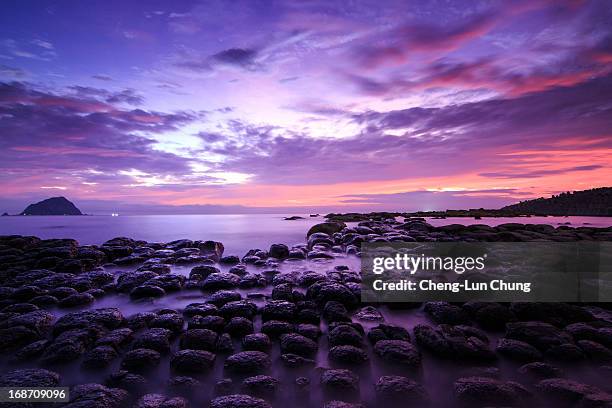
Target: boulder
[
  {"x": 297, "y": 344},
  {"x": 248, "y": 362},
  {"x": 238, "y": 401},
  {"x": 140, "y": 360},
  {"x": 398, "y": 352},
  {"x": 192, "y": 361},
  {"x": 395, "y": 388},
  {"x": 485, "y": 392},
  {"x": 340, "y": 380}
]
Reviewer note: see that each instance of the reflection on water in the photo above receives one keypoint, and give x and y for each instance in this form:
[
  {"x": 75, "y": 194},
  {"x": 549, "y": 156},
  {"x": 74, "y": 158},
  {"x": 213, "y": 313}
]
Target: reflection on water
[{"x": 239, "y": 233}]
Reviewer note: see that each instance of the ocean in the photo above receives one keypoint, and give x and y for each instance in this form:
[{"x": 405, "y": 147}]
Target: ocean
[{"x": 238, "y": 233}]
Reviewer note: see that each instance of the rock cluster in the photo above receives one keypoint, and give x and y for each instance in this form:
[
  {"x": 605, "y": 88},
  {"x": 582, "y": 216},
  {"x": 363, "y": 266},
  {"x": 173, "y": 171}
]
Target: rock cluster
[{"x": 284, "y": 323}]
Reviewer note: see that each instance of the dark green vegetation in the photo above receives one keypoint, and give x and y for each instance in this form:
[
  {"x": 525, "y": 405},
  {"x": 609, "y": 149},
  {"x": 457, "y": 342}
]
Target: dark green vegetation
[{"x": 594, "y": 202}]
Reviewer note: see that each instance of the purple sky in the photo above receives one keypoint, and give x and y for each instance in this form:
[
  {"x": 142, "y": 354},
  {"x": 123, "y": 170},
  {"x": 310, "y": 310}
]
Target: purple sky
[{"x": 236, "y": 106}]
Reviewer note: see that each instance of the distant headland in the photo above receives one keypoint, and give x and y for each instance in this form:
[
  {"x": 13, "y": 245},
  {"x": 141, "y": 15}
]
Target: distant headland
[
  {"x": 52, "y": 206},
  {"x": 595, "y": 202}
]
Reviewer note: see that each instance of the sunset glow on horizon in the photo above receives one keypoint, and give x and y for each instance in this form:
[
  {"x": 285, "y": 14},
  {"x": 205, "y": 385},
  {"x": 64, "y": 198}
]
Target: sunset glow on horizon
[{"x": 242, "y": 106}]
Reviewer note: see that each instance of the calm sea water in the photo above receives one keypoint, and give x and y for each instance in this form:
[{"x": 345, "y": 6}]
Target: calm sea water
[{"x": 239, "y": 233}]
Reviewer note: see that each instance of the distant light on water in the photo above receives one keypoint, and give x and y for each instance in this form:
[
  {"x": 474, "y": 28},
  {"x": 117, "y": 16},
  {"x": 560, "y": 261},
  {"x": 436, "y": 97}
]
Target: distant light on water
[{"x": 114, "y": 214}]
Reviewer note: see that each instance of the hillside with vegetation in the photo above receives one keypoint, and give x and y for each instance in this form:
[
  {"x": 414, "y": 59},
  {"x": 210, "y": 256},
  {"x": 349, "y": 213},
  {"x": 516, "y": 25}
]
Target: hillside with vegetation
[{"x": 594, "y": 202}]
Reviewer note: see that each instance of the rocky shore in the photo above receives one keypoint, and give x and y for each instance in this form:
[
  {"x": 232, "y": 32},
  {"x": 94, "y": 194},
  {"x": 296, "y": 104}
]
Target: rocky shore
[{"x": 284, "y": 326}]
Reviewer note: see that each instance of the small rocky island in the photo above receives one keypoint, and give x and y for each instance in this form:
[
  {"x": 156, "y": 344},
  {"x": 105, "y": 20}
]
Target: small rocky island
[{"x": 52, "y": 206}]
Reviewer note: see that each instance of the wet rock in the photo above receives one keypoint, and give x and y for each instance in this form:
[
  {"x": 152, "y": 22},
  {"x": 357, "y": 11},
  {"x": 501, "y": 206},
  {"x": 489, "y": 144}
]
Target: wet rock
[
  {"x": 38, "y": 320},
  {"x": 562, "y": 392},
  {"x": 323, "y": 292},
  {"x": 238, "y": 401},
  {"x": 99, "y": 357},
  {"x": 565, "y": 352},
  {"x": 540, "y": 370},
  {"x": 256, "y": 341},
  {"x": 252, "y": 280},
  {"x": 335, "y": 312},
  {"x": 279, "y": 251},
  {"x": 444, "y": 312},
  {"x": 394, "y": 388},
  {"x": 582, "y": 331},
  {"x": 239, "y": 269},
  {"x": 199, "y": 339},
  {"x": 171, "y": 321},
  {"x": 147, "y": 291},
  {"x": 454, "y": 342},
  {"x": 214, "y": 323},
  {"x": 62, "y": 292},
  {"x": 140, "y": 360},
  {"x": 344, "y": 334},
  {"x": 31, "y": 351},
  {"x": 296, "y": 254},
  {"x": 203, "y": 271},
  {"x": 25, "y": 293},
  {"x": 192, "y": 361},
  {"x": 129, "y": 280},
  {"x": 388, "y": 332},
  {"x": 539, "y": 334},
  {"x": 29, "y": 377},
  {"x": 157, "y": 339},
  {"x": 490, "y": 315},
  {"x": 348, "y": 355},
  {"x": 276, "y": 328},
  {"x": 398, "y": 352},
  {"x": 340, "y": 380},
  {"x": 484, "y": 392},
  {"x": 221, "y": 280},
  {"x": 248, "y": 362},
  {"x": 518, "y": 350},
  {"x": 309, "y": 330},
  {"x": 184, "y": 385},
  {"x": 128, "y": 381},
  {"x": 297, "y": 344},
  {"x": 293, "y": 360},
  {"x": 200, "y": 309},
  {"x": 109, "y": 318},
  {"x": 369, "y": 313},
  {"x": 161, "y": 401},
  {"x": 211, "y": 249},
  {"x": 239, "y": 327},
  {"x": 329, "y": 228},
  {"x": 97, "y": 396},
  {"x": 239, "y": 308},
  {"x": 16, "y": 337},
  {"x": 221, "y": 297},
  {"x": 168, "y": 282},
  {"x": 20, "y": 308},
  {"x": 595, "y": 351},
  {"x": 140, "y": 320},
  {"x": 78, "y": 299},
  {"x": 282, "y": 291},
  {"x": 68, "y": 346},
  {"x": 223, "y": 386},
  {"x": 260, "y": 385},
  {"x": 229, "y": 260},
  {"x": 279, "y": 310}
]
